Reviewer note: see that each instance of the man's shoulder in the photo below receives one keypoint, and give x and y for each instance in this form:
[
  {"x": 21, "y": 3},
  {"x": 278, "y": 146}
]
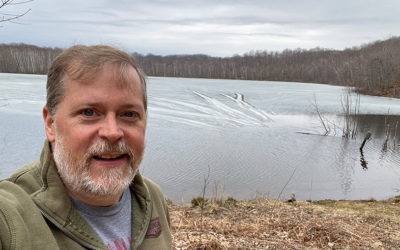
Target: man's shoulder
[
  {"x": 20, "y": 184},
  {"x": 21, "y": 224},
  {"x": 152, "y": 186},
  {"x": 13, "y": 197},
  {"x": 149, "y": 182},
  {"x": 15, "y": 191},
  {"x": 10, "y": 189},
  {"x": 27, "y": 178},
  {"x": 156, "y": 193}
]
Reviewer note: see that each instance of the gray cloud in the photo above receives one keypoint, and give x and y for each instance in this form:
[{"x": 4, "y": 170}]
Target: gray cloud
[{"x": 210, "y": 27}]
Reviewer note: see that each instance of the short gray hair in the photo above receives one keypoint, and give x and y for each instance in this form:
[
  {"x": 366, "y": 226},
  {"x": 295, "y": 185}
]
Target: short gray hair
[{"x": 81, "y": 62}]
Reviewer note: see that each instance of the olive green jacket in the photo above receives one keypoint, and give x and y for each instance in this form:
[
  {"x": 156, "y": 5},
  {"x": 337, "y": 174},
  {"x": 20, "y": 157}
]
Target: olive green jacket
[{"x": 36, "y": 212}]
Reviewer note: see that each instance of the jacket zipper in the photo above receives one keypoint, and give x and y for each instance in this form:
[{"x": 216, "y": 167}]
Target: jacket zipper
[{"x": 66, "y": 232}]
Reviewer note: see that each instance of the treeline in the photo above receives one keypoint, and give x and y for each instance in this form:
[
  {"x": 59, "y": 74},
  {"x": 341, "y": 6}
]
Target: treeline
[
  {"x": 372, "y": 68},
  {"x": 27, "y": 59}
]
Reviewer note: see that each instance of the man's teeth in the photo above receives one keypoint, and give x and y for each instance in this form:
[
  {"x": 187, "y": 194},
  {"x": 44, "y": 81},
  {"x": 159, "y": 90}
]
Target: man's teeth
[{"x": 108, "y": 157}]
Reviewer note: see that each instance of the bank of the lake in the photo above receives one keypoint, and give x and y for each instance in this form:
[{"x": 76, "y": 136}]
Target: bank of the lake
[
  {"x": 263, "y": 223},
  {"x": 392, "y": 92}
]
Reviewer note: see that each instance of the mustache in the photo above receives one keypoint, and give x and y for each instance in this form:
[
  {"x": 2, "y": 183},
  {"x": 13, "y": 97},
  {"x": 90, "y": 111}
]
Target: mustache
[{"x": 105, "y": 147}]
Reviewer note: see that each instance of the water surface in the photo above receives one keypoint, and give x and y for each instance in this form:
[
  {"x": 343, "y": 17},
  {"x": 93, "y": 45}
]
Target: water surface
[{"x": 255, "y": 138}]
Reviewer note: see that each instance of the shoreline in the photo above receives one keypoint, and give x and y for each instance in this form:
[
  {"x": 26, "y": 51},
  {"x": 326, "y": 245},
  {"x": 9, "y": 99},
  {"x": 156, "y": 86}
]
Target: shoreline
[
  {"x": 393, "y": 92},
  {"x": 262, "y": 223}
]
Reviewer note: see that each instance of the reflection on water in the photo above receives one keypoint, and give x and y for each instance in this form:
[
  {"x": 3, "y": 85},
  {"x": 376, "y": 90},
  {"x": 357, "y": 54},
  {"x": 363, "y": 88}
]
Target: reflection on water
[
  {"x": 246, "y": 132},
  {"x": 378, "y": 124},
  {"x": 364, "y": 163}
]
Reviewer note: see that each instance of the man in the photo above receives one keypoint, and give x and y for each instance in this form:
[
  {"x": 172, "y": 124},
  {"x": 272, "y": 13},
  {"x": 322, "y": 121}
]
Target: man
[{"x": 85, "y": 191}]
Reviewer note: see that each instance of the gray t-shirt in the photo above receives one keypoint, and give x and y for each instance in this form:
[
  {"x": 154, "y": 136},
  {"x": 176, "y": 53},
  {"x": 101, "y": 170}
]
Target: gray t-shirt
[{"x": 112, "y": 224}]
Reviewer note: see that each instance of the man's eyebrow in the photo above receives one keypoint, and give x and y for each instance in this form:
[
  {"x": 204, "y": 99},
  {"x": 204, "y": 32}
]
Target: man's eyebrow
[
  {"x": 132, "y": 105},
  {"x": 126, "y": 105}
]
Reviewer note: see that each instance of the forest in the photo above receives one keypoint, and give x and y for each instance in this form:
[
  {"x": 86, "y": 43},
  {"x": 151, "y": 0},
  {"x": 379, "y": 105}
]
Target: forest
[{"x": 372, "y": 68}]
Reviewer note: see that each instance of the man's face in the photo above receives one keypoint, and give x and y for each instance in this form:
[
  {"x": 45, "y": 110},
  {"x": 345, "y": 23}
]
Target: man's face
[{"x": 98, "y": 133}]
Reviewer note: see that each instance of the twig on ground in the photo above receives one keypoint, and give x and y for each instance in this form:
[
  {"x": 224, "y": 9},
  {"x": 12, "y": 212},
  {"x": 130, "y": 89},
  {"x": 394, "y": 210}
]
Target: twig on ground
[
  {"x": 287, "y": 182},
  {"x": 206, "y": 181}
]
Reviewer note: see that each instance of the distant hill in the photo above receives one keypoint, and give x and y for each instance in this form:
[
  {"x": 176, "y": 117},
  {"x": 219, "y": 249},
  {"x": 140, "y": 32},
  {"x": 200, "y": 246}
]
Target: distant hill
[{"x": 372, "y": 68}]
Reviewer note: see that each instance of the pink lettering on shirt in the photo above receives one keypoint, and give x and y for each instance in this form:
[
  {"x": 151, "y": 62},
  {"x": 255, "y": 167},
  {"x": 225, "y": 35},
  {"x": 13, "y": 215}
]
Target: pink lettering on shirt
[
  {"x": 123, "y": 244},
  {"x": 117, "y": 245},
  {"x": 120, "y": 244}
]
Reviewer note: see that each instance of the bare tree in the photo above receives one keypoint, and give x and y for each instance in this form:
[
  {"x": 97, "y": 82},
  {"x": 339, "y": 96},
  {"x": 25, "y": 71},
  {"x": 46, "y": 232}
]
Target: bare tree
[
  {"x": 372, "y": 68},
  {"x": 11, "y": 17}
]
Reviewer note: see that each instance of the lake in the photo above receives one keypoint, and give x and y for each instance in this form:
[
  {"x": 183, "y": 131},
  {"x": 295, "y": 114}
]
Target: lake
[{"x": 254, "y": 138}]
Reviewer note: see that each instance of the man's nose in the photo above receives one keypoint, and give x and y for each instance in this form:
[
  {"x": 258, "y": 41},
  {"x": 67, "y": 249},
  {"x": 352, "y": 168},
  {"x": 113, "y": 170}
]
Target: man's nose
[{"x": 110, "y": 129}]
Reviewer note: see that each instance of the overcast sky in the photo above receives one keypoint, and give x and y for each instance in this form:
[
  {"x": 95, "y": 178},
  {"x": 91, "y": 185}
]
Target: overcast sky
[{"x": 217, "y": 28}]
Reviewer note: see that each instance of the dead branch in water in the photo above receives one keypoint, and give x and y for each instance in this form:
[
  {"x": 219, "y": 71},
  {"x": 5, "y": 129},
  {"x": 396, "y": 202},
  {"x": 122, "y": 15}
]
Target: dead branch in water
[
  {"x": 324, "y": 124},
  {"x": 366, "y": 138}
]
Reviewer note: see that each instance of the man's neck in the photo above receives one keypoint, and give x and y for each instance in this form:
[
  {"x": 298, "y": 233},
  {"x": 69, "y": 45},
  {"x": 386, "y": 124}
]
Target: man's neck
[{"x": 96, "y": 200}]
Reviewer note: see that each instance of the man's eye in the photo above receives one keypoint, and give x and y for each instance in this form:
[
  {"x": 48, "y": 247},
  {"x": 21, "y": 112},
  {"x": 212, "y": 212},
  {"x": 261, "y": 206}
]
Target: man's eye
[
  {"x": 88, "y": 112},
  {"x": 130, "y": 114}
]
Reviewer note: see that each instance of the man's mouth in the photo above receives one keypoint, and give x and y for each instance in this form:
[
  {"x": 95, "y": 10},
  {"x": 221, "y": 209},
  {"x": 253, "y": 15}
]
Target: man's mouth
[{"x": 109, "y": 157}]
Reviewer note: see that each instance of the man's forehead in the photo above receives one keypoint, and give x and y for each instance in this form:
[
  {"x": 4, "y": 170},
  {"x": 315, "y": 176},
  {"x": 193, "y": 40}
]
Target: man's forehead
[{"x": 121, "y": 76}]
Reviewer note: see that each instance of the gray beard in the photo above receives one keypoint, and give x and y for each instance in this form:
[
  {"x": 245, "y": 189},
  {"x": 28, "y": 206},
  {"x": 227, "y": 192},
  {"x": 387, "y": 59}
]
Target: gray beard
[{"x": 76, "y": 176}]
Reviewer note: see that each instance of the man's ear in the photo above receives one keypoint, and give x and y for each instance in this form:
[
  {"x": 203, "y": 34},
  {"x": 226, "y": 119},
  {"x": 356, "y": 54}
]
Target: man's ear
[{"x": 49, "y": 125}]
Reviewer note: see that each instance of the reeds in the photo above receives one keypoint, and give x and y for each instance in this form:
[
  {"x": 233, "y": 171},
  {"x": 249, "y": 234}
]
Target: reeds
[
  {"x": 351, "y": 108},
  {"x": 350, "y": 103},
  {"x": 387, "y": 135}
]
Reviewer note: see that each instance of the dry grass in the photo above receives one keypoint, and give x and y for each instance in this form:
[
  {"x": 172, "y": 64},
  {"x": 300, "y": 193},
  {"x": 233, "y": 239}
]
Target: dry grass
[{"x": 262, "y": 223}]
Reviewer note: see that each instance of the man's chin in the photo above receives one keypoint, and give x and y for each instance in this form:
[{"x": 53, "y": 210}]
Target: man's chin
[{"x": 109, "y": 182}]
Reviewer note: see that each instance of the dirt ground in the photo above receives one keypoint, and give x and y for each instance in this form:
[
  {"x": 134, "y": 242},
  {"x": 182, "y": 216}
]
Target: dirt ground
[{"x": 272, "y": 224}]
